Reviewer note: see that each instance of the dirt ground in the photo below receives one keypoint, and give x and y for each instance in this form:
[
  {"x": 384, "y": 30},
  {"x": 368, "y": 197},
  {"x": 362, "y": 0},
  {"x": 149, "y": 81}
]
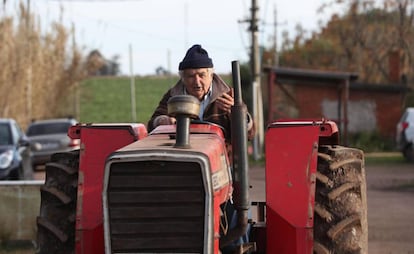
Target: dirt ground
[
  {"x": 390, "y": 191},
  {"x": 390, "y": 208}
]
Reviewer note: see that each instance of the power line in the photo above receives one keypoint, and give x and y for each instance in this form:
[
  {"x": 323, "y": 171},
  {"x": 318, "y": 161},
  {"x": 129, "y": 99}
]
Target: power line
[{"x": 94, "y": 0}]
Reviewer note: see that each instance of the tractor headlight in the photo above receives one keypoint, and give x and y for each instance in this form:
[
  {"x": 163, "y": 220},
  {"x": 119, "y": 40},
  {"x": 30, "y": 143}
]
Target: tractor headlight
[{"x": 6, "y": 159}]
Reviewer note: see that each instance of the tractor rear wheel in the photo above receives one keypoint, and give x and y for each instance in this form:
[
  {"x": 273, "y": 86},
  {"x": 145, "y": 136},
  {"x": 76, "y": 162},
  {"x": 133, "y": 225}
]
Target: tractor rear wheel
[
  {"x": 340, "y": 224},
  {"x": 56, "y": 222}
]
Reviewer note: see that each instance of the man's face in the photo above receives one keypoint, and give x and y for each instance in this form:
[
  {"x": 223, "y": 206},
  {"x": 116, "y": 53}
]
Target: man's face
[{"x": 197, "y": 81}]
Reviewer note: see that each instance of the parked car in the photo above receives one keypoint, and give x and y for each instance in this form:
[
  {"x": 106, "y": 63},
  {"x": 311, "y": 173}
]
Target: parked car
[
  {"x": 15, "y": 160},
  {"x": 405, "y": 134},
  {"x": 48, "y": 137}
]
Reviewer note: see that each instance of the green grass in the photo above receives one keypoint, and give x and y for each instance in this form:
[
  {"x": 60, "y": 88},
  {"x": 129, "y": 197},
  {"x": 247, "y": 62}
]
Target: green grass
[
  {"x": 17, "y": 247},
  {"x": 108, "y": 100},
  {"x": 384, "y": 158}
]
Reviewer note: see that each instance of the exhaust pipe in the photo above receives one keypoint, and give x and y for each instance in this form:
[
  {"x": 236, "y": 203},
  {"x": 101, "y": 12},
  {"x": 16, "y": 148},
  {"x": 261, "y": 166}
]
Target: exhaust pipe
[
  {"x": 183, "y": 107},
  {"x": 240, "y": 161}
]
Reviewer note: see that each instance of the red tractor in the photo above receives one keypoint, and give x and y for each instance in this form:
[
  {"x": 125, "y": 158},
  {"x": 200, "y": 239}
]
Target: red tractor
[{"x": 126, "y": 191}]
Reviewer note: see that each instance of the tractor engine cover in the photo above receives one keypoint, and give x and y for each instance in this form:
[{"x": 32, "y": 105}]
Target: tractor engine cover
[{"x": 161, "y": 199}]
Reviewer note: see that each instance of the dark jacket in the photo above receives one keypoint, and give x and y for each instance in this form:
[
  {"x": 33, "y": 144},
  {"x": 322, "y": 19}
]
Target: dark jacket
[{"x": 211, "y": 113}]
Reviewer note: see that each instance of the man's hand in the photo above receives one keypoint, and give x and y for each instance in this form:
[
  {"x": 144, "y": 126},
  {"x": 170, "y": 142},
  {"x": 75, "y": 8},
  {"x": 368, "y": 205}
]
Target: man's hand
[
  {"x": 225, "y": 102},
  {"x": 164, "y": 120}
]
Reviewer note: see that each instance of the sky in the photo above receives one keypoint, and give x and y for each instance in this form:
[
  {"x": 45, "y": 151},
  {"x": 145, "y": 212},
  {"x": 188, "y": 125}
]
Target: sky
[{"x": 146, "y": 34}]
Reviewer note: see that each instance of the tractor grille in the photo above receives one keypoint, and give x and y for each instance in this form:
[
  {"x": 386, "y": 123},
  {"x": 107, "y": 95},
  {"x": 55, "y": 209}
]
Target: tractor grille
[{"x": 156, "y": 207}]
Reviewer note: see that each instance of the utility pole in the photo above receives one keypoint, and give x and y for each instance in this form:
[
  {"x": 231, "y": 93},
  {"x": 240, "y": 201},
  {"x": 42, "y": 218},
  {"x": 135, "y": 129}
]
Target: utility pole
[
  {"x": 276, "y": 57},
  {"x": 256, "y": 88},
  {"x": 169, "y": 62},
  {"x": 132, "y": 86}
]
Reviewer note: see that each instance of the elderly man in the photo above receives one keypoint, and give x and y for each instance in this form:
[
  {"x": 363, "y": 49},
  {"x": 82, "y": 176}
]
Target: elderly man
[{"x": 197, "y": 78}]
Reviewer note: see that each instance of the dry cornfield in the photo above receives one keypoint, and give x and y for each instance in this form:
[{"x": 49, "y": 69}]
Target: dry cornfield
[{"x": 38, "y": 70}]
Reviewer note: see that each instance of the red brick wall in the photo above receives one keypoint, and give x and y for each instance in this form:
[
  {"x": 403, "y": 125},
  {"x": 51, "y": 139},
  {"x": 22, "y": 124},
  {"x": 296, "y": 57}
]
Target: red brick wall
[
  {"x": 388, "y": 109},
  {"x": 308, "y": 103},
  {"x": 310, "y": 97}
]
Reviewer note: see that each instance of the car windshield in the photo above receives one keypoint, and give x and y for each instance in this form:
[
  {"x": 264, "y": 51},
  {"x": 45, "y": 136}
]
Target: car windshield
[
  {"x": 48, "y": 128},
  {"x": 5, "y": 135}
]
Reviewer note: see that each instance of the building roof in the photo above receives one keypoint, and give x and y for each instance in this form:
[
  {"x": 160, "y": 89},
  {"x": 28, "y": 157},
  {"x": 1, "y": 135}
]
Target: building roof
[
  {"x": 283, "y": 73},
  {"x": 317, "y": 77},
  {"x": 386, "y": 88}
]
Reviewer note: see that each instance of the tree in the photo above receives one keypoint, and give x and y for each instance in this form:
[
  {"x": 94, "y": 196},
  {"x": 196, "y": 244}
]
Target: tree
[
  {"x": 362, "y": 40},
  {"x": 98, "y": 65}
]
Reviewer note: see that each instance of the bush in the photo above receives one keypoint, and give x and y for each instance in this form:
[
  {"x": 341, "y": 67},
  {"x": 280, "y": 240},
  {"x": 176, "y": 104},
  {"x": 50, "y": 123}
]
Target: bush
[
  {"x": 409, "y": 101},
  {"x": 371, "y": 142}
]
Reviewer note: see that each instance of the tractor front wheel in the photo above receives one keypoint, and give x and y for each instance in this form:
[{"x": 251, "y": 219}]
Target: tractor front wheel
[
  {"x": 56, "y": 222},
  {"x": 340, "y": 223}
]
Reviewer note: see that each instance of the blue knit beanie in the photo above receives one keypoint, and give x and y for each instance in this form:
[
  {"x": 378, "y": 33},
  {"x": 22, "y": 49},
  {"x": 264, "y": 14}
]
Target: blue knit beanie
[{"x": 196, "y": 57}]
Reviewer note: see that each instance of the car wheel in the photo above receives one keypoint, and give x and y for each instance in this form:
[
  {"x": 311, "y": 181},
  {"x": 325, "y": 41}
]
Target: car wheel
[
  {"x": 409, "y": 152},
  {"x": 15, "y": 174}
]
